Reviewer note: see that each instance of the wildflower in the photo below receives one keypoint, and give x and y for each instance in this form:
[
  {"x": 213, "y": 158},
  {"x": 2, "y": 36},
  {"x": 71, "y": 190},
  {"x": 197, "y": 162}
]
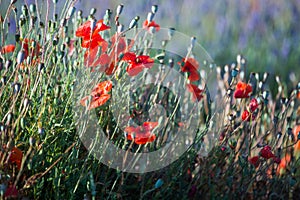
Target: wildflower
[
  {"x": 254, "y": 161},
  {"x": 137, "y": 63},
  {"x": 91, "y": 38},
  {"x": 197, "y": 92},
  {"x": 247, "y": 116},
  {"x": 99, "y": 95},
  {"x": 148, "y": 24},
  {"x": 8, "y": 49},
  {"x": 141, "y": 134},
  {"x": 253, "y": 105},
  {"x": 243, "y": 90},
  {"x": 15, "y": 157},
  {"x": 266, "y": 152},
  {"x": 191, "y": 66}
]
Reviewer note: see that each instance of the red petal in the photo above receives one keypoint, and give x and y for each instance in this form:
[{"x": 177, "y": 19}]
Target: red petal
[
  {"x": 149, "y": 126},
  {"x": 100, "y": 26},
  {"x": 193, "y": 76},
  {"x": 96, "y": 102},
  {"x": 102, "y": 88},
  {"x": 94, "y": 41},
  {"x": 8, "y": 49},
  {"x": 129, "y": 56},
  {"x": 145, "y": 139},
  {"x": 197, "y": 92},
  {"x": 134, "y": 70},
  {"x": 84, "y": 30}
]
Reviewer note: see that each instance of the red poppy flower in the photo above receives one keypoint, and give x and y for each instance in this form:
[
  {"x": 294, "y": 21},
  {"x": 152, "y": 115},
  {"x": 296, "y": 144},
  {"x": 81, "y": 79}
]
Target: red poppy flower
[
  {"x": 99, "y": 95},
  {"x": 298, "y": 95},
  {"x": 247, "y": 116},
  {"x": 15, "y": 157},
  {"x": 243, "y": 90},
  {"x": 91, "y": 38},
  {"x": 8, "y": 49},
  {"x": 137, "y": 63},
  {"x": 197, "y": 92},
  {"x": 191, "y": 66},
  {"x": 141, "y": 134},
  {"x": 147, "y": 25},
  {"x": 29, "y": 50},
  {"x": 253, "y": 105},
  {"x": 254, "y": 161},
  {"x": 266, "y": 152},
  {"x": 107, "y": 61}
]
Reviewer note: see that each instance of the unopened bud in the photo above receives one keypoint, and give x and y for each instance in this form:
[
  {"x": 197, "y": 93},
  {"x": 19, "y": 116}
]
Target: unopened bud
[
  {"x": 154, "y": 8},
  {"x": 119, "y": 9},
  {"x": 150, "y": 16}
]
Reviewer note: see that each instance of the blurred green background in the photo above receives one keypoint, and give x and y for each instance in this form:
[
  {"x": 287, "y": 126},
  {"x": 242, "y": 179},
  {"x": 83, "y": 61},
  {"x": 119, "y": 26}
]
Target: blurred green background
[{"x": 266, "y": 32}]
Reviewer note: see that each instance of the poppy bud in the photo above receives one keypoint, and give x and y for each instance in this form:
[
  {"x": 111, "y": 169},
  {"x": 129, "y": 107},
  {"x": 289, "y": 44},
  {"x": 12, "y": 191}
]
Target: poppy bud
[
  {"x": 20, "y": 57},
  {"x": 93, "y": 11},
  {"x": 17, "y": 87},
  {"x": 13, "y": 1},
  {"x": 71, "y": 12},
  {"x": 298, "y": 86},
  {"x": 120, "y": 28},
  {"x": 171, "y": 32},
  {"x": 266, "y": 75},
  {"x": 24, "y": 10},
  {"x": 133, "y": 22},
  {"x": 3, "y": 80},
  {"x": 193, "y": 41},
  {"x": 26, "y": 102},
  {"x": 119, "y": 9},
  {"x": 32, "y": 8},
  {"x": 265, "y": 94},
  {"x": 260, "y": 85},
  {"x": 171, "y": 62},
  {"x": 154, "y": 8},
  {"x": 55, "y": 1},
  {"x": 290, "y": 131},
  {"x": 150, "y": 17},
  {"x": 234, "y": 72},
  {"x": 9, "y": 118},
  {"x": 238, "y": 58},
  {"x": 79, "y": 14},
  {"x": 279, "y": 134},
  {"x": 8, "y": 64}
]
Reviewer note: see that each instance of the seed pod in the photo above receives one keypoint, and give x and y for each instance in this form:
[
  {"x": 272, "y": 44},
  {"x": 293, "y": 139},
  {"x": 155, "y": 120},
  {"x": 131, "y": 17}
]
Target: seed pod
[{"x": 17, "y": 87}]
